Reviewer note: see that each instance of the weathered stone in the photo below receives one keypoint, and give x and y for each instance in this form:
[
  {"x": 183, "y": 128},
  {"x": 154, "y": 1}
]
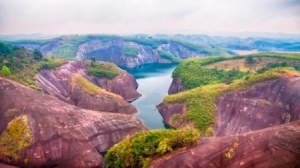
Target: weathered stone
[
  {"x": 63, "y": 135},
  {"x": 176, "y": 87},
  {"x": 58, "y": 83},
  {"x": 277, "y": 146}
]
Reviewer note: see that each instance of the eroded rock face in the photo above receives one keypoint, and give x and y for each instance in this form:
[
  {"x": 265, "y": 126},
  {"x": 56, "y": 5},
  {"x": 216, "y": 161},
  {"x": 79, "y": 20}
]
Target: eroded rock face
[
  {"x": 111, "y": 51},
  {"x": 58, "y": 83},
  {"x": 180, "y": 51},
  {"x": 172, "y": 110},
  {"x": 277, "y": 146},
  {"x": 176, "y": 87},
  {"x": 63, "y": 135},
  {"x": 263, "y": 105}
]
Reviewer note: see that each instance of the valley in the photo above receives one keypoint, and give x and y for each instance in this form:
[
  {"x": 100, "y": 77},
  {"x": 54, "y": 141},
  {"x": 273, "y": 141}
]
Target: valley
[{"x": 89, "y": 113}]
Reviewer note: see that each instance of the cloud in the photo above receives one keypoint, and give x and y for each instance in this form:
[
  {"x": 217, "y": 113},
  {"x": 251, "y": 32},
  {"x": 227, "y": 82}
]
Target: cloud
[{"x": 148, "y": 16}]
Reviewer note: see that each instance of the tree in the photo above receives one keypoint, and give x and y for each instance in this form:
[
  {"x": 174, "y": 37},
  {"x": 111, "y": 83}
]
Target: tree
[
  {"x": 93, "y": 61},
  {"x": 250, "y": 60},
  {"x": 37, "y": 55},
  {"x": 5, "y": 70}
]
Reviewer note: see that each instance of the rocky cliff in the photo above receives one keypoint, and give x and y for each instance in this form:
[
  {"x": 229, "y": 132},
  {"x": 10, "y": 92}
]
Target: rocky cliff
[
  {"x": 112, "y": 51},
  {"x": 277, "y": 146},
  {"x": 263, "y": 105},
  {"x": 59, "y": 83},
  {"x": 176, "y": 87},
  {"x": 38, "y": 130}
]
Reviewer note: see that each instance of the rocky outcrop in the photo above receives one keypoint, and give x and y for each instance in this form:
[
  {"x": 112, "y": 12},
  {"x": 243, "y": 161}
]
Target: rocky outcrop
[
  {"x": 176, "y": 87},
  {"x": 180, "y": 51},
  {"x": 62, "y": 135},
  {"x": 58, "y": 83},
  {"x": 45, "y": 48},
  {"x": 169, "y": 112},
  {"x": 263, "y": 105},
  {"x": 111, "y": 51},
  {"x": 277, "y": 146}
]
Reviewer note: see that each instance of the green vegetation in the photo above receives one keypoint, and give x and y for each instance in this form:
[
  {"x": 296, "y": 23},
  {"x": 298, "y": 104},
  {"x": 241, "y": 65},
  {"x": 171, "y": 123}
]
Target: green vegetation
[
  {"x": 153, "y": 43},
  {"x": 193, "y": 74},
  {"x": 176, "y": 118},
  {"x": 210, "y": 132},
  {"x": 207, "y": 84},
  {"x": 37, "y": 55},
  {"x": 229, "y": 154},
  {"x": 102, "y": 69},
  {"x": 130, "y": 51},
  {"x": 5, "y": 70},
  {"x": 23, "y": 65},
  {"x": 16, "y": 137},
  {"x": 250, "y": 60},
  {"x": 90, "y": 87},
  {"x": 169, "y": 56},
  {"x": 139, "y": 150}
]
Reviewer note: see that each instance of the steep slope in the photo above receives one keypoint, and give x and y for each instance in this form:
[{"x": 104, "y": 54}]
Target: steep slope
[
  {"x": 231, "y": 100},
  {"x": 261, "y": 106},
  {"x": 277, "y": 146},
  {"x": 38, "y": 130},
  {"x": 72, "y": 83}
]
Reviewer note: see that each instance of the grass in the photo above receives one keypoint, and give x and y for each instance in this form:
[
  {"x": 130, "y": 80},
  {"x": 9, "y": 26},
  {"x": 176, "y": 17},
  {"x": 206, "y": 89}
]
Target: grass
[
  {"x": 176, "y": 118},
  {"x": 200, "y": 101},
  {"x": 102, "y": 69},
  {"x": 198, "y": 72},
  {"x": 169, "y": 56},
  {"x": 16, "y": 137},
  {"x": 139, "y": 150},
  {"x": 27, "y": 76},
  {"x": 90, "y": 87},
  {"x": 130, "y": 51}
]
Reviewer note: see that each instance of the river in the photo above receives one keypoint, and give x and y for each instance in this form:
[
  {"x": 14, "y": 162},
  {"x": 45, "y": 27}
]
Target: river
[{"x": 154, "y": 81}]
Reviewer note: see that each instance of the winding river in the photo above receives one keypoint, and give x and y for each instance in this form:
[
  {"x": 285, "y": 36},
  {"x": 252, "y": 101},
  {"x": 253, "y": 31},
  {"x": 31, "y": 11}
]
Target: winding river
[{"x": 154, "y": 81}]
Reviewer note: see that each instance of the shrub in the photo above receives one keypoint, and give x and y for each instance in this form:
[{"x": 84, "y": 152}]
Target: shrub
[
  {"x": 37, "y": 54},
  {"x": 102, "y": 69},
  {"x": 5, "y": 70},
  {"x": 168, "y": 56},
  {"x": 130, "y": 51},
  {"x": 16, "y": 137},
  {"x": 139, "y": 150}
]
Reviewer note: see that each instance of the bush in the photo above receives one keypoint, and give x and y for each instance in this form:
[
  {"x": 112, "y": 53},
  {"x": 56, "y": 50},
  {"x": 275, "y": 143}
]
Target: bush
[
  {"x": 37, "y": 54},
  {"x": 139, "y": 150},
  {"x": 5, "y": 70},
  {"x": 130, "y": 51},
  {"x": 102, "y": 69},
  {"x": 168, "y": 56}
]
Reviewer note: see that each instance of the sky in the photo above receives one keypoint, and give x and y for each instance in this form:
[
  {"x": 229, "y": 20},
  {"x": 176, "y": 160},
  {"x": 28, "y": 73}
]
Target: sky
[{"x": 148, "y": 16}]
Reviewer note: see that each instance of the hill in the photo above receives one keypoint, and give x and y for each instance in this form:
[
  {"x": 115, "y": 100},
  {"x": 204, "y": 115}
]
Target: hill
[{"x": 127, "y": 51}]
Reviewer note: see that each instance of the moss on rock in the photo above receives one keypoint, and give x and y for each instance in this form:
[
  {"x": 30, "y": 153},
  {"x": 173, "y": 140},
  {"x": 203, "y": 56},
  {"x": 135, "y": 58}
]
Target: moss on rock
[{"x": 16, "y": 137}]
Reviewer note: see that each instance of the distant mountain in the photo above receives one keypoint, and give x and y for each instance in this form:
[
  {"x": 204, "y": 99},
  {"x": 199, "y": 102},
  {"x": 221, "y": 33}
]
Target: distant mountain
[
  {"x": 250, "y": 43},
  {"x": 35, "y": 36},
  {"x": 126, "y": 51}
]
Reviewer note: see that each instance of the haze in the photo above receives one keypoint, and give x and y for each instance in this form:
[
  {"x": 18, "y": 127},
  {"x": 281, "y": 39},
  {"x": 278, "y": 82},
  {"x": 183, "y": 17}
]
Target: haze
[{"x": 148, "y": 16}]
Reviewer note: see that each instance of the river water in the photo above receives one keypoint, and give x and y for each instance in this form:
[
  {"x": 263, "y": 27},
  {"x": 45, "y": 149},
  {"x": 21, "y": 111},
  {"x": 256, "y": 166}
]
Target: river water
[{"x": 154, "y": 81}]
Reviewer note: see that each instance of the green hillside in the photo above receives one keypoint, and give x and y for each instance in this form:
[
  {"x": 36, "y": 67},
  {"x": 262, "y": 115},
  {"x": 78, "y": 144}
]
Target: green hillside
[{"x": 206, "y": 83}]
